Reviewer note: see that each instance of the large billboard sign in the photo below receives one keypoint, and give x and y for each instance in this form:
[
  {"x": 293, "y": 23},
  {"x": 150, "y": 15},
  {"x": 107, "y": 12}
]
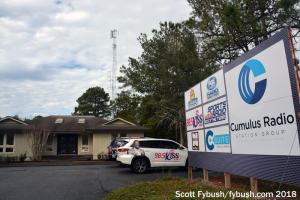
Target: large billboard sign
[
  {"x": 262, "y": 114},
  {"x": 249, "y": 114}
]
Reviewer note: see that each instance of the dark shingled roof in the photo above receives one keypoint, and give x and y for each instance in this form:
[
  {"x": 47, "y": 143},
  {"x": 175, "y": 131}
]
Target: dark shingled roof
[
  {"x": 118, "y": 127},
  {"x": 12, "y": 124},
  {"x": 12, "y": 127},
  {"x": 70, "y": 124}
]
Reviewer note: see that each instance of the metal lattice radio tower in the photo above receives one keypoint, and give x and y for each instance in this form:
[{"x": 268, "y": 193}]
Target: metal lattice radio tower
[{"x": 113, "y": 34}]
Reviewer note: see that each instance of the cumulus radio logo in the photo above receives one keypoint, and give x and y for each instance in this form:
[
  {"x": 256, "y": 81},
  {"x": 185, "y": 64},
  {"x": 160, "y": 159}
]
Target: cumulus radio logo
[{"x": 246, "y": 93}]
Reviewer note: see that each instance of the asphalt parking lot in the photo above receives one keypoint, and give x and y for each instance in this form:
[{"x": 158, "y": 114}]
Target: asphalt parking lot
[{"x": 75, "y": 182}]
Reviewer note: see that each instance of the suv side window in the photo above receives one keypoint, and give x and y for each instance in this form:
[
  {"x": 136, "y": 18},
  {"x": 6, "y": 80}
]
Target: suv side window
[
  {"x": 154, "y": 144},
  {"x": 115, "y": 143},
  {"x": 149, "y": 144},
  {"x": 169, "y": 145},
  {"x": 123, "y": 143},
  {"x": 142, "y": 143},
  {"x": 111, "y": 142}
]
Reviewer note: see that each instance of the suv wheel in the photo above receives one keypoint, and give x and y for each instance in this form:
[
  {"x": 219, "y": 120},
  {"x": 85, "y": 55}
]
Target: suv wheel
[{"x": 140, "y": 166}]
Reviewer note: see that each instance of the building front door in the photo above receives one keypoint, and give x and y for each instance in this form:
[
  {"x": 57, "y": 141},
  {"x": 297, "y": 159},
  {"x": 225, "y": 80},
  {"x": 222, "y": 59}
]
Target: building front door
[{"x": 67, "y": 144}]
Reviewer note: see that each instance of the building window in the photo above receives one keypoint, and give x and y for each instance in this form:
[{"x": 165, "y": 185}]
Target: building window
[
  {"x": 114, "y": 135},
  {"x": 81, "y": 121},
  {"x": 85, "y": 140},
  {"x": 9, "y": 149},
  {"x": 49, "y": 143},
  {"x": 85, "y": 149},
  {"x": 1, "y": 138},
  {"x": 59, "y": 120},
  {"x": 122, "y": 134},
  {"x": 85, "y": 143},
  {"x": 10, "y": 139},
  {"x": 7, "y": 141},
  {"x": 50, "y": 140},
  {"x": 49, "y": 149}
]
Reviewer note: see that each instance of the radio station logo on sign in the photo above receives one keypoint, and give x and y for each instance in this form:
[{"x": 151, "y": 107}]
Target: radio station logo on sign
[
  {"x": 213, "y": 90},
  {"x": 246, "y": 93},
  {"x": 193, "y": 101},
  {"x": 266, "y": 126},
  {"x": 217, "y": 141},
  {"x": 196, "y": 121},
  {"x": 262, "y": 113},
  {"x": 168, "y": 156},
  {"x": 216, "y": 113},
  {"x": 172, "y": 155},
  {"x": 195, "y": 140}
]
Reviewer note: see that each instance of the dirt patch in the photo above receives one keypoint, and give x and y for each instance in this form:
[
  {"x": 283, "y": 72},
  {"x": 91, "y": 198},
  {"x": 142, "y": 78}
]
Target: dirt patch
[{"x": 217, "y": 182}]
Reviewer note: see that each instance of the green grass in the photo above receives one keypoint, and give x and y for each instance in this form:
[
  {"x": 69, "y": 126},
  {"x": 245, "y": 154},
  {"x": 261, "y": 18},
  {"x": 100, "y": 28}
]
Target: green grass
[{"x": 164, "y": 188}]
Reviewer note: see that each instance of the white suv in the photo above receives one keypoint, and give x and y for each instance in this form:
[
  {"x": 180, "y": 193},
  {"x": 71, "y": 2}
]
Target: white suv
[{"x": 141, "y": 154}]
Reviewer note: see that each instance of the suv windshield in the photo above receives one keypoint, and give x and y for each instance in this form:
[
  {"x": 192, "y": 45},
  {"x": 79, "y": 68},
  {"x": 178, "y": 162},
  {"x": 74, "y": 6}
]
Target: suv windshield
[{"x": 169, "y": 145}]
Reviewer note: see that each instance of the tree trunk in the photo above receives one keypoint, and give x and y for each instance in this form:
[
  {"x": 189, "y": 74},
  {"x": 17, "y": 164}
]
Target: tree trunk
[
  {"x": 181, "y": 134},
  {"x": 263, "y": 24},
  {"x": 176, "y": 133},
  {"x": 256, "y": 41}
]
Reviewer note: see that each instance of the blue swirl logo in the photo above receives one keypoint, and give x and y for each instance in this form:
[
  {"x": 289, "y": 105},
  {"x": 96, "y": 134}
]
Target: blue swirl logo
[
  {"x": 209, "y": 146},
  {"x": 246, "y": 93},
  {"x": 211, "y": 83}
]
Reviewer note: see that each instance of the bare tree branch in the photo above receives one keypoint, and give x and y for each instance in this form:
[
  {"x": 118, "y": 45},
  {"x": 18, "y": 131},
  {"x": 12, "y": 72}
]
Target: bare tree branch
[{"x": 37, "y": 133}]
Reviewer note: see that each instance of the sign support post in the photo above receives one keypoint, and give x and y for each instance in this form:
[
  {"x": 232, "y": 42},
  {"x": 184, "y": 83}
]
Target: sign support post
[
  {"x": 227, "y": 180},
  {"x": 190, "y": 172},
  {"x": 253, "y": 185},
  {"x": 205, "y": 175}
]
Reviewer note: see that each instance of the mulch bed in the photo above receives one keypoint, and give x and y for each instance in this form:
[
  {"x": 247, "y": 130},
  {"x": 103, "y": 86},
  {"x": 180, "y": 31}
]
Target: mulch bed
[
  {"x": 241, "y": 182},
  {"x": 218, "y": 182}
]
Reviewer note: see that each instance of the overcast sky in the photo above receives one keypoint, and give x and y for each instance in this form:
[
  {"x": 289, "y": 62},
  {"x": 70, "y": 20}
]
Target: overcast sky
[{"x": 51, "y": 52}]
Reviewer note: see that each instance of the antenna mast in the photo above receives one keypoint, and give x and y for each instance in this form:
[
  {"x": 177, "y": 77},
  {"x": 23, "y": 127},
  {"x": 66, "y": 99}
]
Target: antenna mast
[{"x": 113, "y": 34}]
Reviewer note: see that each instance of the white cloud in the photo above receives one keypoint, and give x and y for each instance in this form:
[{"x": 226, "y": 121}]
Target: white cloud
[{"x": 72, "y": 16}]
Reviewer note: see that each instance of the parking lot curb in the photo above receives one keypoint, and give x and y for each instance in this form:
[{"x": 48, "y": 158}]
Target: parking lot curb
[{"x": 58, "y": 163}]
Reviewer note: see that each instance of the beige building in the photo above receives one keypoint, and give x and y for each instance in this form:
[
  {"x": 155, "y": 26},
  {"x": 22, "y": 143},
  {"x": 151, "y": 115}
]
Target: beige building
[{"x": 70, "y": 135}]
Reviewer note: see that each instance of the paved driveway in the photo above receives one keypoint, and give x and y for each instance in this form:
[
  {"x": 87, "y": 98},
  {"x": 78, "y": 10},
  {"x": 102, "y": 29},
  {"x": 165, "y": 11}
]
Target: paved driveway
[{"x": 73, "y": 182}]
